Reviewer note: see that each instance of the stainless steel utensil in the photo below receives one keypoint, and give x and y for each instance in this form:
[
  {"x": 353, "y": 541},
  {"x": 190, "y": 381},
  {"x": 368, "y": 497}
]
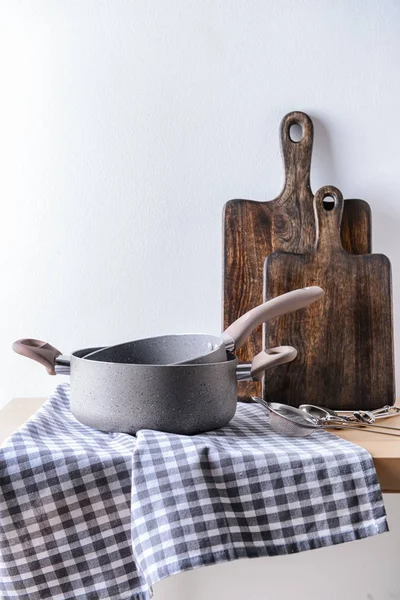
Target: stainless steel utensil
[
  {"x": 360, "y": 418},
  {"x": 385, "y": 412},
  {"x": 370, "y": 416},
  {"x": 183, "y": 399},
  {"x": 202, "y": 348},
  {"x": 294, "y": 422},
  {"x": 287, "y": 420},
  {"x": 324, "y": 413}
]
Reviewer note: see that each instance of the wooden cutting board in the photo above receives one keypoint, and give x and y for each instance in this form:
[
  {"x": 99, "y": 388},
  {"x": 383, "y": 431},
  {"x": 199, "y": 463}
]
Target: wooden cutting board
[
  {"x": 345, "y": 340},
  {"x": 252, "y": 230}
]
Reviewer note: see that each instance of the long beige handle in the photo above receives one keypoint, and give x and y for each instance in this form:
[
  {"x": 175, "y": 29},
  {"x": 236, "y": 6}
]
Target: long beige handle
[
  {"x": 237, "y": 333},
  {"x": 41, "y": 352},
  {"x": 271, "y": 358}
]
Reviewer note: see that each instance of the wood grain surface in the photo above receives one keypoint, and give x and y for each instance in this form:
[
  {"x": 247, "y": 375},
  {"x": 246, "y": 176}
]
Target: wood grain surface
[
  {"x": 252, "y": 230},
  {"x": 345, "y": 340}
]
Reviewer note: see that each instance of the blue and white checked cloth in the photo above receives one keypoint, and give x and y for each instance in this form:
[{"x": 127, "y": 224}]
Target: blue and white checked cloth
[{"x": 93, "y": 516}]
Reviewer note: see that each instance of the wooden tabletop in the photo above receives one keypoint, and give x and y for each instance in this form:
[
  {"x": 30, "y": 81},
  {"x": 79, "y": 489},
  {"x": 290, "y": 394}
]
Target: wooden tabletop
[{"x": 384, "y": 449}]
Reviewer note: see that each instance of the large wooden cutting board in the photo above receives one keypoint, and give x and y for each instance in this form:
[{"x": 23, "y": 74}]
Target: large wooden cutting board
[
  {"x": 252, "y": 230},
  {"x": 345, "y": 340}
]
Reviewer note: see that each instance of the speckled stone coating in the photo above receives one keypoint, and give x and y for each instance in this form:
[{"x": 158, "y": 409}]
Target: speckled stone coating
[
  {"x": 183, "y": 399},
  {"x": 190, "y": 348}
]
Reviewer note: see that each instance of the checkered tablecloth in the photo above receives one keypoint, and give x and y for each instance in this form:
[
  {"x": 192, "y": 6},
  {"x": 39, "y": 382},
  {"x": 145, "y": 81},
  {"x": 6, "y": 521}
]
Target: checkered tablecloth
[{"x": 89, "y": 515}]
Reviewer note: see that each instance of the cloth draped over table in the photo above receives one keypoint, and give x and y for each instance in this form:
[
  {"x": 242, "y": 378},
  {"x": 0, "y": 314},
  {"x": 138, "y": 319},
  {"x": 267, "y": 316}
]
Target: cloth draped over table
[{"x": 91, "y": 515}]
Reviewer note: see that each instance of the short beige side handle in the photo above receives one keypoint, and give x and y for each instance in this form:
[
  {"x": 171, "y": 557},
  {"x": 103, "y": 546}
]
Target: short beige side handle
[
  {"x": 41, "y": 352},
  {"x": 237, "y": 333},
  {"x": 271, "y": 358}
]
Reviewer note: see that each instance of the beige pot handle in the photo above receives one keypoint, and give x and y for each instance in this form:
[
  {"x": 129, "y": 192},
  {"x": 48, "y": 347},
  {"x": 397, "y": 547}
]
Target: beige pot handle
[
  {"x": 263, "y": 361},
  {"x": 41, "y": 352},
  {"x": 271, "y": 358},
  {"x": 237, "y": 333}
]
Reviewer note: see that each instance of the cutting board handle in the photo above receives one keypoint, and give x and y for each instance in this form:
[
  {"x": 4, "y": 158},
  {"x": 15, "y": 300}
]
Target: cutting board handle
[
  {"x": 297, "y": 154},
  {"x": 328, "y": 217}
]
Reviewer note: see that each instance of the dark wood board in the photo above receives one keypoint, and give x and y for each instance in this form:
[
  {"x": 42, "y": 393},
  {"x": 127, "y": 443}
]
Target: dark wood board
[
  {"x": 345, "y": 340},
  {"x": 252, "y": 230}
]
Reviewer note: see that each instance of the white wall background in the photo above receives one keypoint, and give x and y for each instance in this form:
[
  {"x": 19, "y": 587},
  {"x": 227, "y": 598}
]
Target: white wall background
[{"x": 124, "y": 128}]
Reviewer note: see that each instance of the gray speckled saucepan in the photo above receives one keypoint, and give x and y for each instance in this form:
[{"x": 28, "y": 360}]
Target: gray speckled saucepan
[
  {"x": 182, "y": 399},
  {"x": 202, "y": 348}
]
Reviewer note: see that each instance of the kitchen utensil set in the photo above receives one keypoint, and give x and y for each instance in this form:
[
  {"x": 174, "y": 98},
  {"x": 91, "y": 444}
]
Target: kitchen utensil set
[
  {"x": 299, "y": 422},
  {"x": 146, "y": 385},
  {"x": 332, "y": 417}
]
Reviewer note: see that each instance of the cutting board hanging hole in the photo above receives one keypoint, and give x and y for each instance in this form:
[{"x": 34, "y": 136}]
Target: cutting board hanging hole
[
  {"x": 296, "y": 133},
  {"x": 328, "y": 203}
]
